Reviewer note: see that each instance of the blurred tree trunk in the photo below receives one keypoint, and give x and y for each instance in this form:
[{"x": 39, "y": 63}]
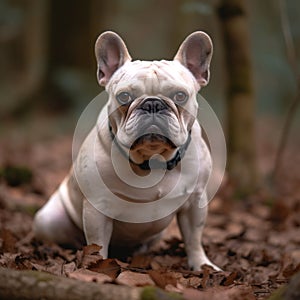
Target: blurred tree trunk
[
  {"x": 240, "y": 94},
  {"x": 70, "y": 43},
  {"x": 71, "y": 53},
  {"x": 292, "y": 108},
  {"x": 23, "y": 44}
]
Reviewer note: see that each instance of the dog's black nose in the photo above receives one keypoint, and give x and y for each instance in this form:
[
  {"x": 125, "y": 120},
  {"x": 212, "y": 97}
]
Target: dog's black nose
[{"x": 153, "y": 105}]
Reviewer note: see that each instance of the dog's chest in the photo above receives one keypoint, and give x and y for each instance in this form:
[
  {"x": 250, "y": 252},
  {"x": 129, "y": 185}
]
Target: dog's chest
[
  {"x": 133, "y": 233},
  {"x": 131, "y": 187},
  {"x": 144, "y": 194}
]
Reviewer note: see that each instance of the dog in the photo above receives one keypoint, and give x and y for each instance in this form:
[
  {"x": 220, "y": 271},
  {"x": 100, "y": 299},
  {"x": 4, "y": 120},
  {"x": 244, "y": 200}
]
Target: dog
[{"x": 152, "y": 129}]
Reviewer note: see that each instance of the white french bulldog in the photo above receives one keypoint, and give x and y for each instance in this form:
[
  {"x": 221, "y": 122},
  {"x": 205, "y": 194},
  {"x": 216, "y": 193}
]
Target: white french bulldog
[{"x": 151, "y": 124}]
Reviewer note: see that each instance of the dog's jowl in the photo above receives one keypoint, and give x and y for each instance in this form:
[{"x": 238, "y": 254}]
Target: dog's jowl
[{"x": 148, "y": 132}]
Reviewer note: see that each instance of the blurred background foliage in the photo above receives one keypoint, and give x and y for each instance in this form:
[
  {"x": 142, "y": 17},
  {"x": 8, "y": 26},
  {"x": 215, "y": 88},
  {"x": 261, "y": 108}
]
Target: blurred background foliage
[
  {"x": 47, "y": 64},
  {"x": 46, "y": 47}
]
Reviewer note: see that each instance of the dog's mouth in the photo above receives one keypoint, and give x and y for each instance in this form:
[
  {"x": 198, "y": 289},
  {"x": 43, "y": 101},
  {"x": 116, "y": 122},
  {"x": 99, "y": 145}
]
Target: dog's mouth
[{"x": 152, "y": 140}]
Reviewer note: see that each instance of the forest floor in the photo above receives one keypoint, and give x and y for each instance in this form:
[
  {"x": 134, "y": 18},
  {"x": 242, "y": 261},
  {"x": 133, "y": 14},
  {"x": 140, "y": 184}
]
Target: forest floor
[{"x": 255, "y": 240}]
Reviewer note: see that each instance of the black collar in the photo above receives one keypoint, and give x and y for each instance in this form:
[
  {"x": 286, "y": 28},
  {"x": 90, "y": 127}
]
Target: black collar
[{"x": 155, "y": 164}]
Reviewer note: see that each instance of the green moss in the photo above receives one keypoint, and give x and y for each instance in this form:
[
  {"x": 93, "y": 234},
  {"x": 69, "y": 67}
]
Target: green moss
[
  {"x": 154, "y": 293},
  {"x": 16, "y": 175},
  {"x": 28, "y": 209},
  {"x": 39, "y": 276},
  {"x": 278, "y": 294},
  {"x": 290, "y": 291}
]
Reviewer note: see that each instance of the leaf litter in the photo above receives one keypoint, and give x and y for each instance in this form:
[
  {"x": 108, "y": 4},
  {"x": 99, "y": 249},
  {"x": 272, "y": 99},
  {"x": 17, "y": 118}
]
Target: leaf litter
[{"x": 256, "y": 242}]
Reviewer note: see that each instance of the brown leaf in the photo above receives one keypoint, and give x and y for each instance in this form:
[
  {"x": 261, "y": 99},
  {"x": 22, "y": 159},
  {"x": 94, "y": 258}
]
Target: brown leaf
[
  {"x": 162, "y": 278},
  {"x": 108, "y": 266},
  {"x": 90, "y": 256},
  {"x": 7, "y": 260},
  {"x": 67, "y": 254},
  {"x": 69, "y": 268},
  {"x": 38, "y": 267},
  {"x": 79, "y": 257},
  {"x": 140, "y": 261},
  {"x": 220, "y": 293},
  {"x": 55, "y": 266},
  {"x": 234, "y": 230},
  {"x": 155, "y": 265},
  {"x": 166, "y": 261},
  {"x": 171, "y": 288},
  {"x": 244, "y": 249},
  {"x": 193, "y": 281},
  {"x": 122, "y": 264},
  {"x": 290, "y": 270},
  {"x": 8, "y": 241},
  {"x": 279, "y": 212},
  {"x": 215, "y": 235},
  {"x": 92, "y": 249},
  {"x": 89, "y": 276},
  {"x": 23, "y": 262},
  {"x": 295, "y": 255},
  {"x": 257, "y": 275},
  {"x": 254, "y": 235},
  {"x": 229, "y": 280},
  {"x": 205, "y": 277},
  {"x": 134, "y": 279}
]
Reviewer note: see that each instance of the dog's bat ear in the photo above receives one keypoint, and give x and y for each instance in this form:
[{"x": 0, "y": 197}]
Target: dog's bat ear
[
  {"x": 111, "y": 53},
  {"x": 195, "y": 53}
]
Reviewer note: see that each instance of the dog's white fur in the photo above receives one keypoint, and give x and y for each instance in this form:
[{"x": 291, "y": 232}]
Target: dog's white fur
[{"x": 69, "y": 218}]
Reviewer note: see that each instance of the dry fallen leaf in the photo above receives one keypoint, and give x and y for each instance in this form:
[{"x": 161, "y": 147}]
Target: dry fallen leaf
[
  {"x": 8, "y": 241},
  {"x": 90, "y": 276},
  {"x": 220, "y": 293},
  {"x": 205, "y": 278},
  {"x": 234, "y": 230},
  {"x": 194, "y": 281},
  {"x": 290, "y": 270},
  {"x": 69, "y": 268},
  {"x": 107, "y": 266},
  {"x": 162, "y": 278},
  {"x": 167, "y": 261},
  {"x": 90, "y": 256},
  {"x": 255, "y": 243},
  {"x": 92, "y": 249},
  {"x": 140, "y": 261},
  {"x": 229, "y": 280},
  {"x": 134, "y": 279}
]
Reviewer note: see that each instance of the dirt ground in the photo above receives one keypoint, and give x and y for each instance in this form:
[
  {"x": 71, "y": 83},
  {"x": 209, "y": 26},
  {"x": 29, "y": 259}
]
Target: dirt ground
[{"x": 255, "y": 240}]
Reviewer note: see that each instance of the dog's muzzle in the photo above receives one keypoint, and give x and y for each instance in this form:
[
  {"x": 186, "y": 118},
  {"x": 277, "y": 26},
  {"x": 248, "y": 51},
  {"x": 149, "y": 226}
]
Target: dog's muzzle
[
  {"x": 153, "y": 113},
  {"x": 169, "y": 165},
  {"x": 153, "y": 105}
]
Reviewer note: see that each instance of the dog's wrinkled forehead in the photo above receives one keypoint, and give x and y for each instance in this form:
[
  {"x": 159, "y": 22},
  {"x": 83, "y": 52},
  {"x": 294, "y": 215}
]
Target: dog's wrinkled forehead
[{"x": 152, "y": 77}]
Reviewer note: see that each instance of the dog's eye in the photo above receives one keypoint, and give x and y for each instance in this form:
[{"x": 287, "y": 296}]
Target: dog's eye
[
  {"x": 180, "y": 97},
  {"x": 124, "y": 97}
]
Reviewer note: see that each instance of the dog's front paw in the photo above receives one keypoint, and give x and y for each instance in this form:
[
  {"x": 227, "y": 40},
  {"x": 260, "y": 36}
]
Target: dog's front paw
[{"x": 196, "y": 263}]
